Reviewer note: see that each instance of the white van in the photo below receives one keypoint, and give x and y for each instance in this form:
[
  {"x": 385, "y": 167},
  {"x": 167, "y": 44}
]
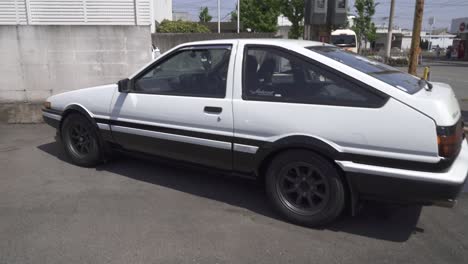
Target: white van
[{"x": 346, "y": 39}]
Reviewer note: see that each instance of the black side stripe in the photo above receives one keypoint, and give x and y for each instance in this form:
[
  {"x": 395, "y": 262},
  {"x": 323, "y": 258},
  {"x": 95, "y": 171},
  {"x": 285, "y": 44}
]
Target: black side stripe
[
  {"x": 265, "y": 146},
  {"x": 182, "y": 132}
]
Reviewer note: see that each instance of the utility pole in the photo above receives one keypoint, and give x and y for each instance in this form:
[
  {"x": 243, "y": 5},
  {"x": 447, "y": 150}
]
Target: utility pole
[
  {"x": 219, "y": 18},
  {"x": 416, "y": 38},
  {"x": 389, "y": 34},
  {"x": 238, "y": 16}
]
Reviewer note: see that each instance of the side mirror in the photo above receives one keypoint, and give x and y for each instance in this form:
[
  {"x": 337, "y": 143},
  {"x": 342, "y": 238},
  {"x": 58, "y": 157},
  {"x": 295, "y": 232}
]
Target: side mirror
[{"x": 124, "y": 85}]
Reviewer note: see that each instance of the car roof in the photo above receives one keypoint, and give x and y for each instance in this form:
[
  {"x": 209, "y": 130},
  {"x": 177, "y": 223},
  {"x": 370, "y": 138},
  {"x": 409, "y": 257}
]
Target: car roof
[
  {"x": 265, "y": 41},
  {"x": 343, "y": 31}
]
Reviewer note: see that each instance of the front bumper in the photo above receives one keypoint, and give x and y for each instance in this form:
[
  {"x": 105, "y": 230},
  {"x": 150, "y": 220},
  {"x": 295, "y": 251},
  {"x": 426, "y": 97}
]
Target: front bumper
[
  {"x": 51, "y": 118},
  {"x": 400, "y": 185}
]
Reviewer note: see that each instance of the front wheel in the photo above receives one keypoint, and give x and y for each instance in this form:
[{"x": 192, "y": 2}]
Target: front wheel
[
  {"x": 305, "y": 188},
  {"x": 80, "y": 140}
]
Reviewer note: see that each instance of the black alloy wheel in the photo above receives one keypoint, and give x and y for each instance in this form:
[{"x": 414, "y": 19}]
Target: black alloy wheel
[
  {"x": 303, "y": 188},
  {"x": 81, "y": 140}
]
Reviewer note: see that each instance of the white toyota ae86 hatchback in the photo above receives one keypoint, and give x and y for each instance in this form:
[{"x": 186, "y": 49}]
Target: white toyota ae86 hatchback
[{"x": 322, "y": 127}]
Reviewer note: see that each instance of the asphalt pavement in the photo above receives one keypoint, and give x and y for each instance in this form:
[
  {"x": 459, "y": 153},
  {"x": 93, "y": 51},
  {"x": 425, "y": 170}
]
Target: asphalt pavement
[{"x": 135, "y": 211}]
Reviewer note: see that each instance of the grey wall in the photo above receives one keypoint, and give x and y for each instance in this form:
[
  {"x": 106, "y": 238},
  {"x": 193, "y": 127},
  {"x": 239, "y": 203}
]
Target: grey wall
[
  {"x": 166, "y": 41},
  {"x": 38, "y": 61}
]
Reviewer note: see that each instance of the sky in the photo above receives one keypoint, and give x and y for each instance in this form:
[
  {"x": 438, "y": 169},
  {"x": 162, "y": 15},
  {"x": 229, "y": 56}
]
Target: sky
[{"x": 442, "y": 10}]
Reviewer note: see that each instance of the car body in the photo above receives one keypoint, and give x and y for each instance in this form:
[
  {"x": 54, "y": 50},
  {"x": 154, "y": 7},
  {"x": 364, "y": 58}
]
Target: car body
[{"x": 354, "y": 128}]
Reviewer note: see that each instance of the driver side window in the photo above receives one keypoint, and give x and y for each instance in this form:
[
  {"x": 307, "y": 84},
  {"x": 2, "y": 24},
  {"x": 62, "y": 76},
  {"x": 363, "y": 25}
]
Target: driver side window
[{"x": 200, "y": 72}]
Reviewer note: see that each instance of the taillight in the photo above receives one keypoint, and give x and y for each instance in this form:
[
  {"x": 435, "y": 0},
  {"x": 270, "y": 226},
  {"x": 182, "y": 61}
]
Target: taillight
[{"x": 449, "y": 140}]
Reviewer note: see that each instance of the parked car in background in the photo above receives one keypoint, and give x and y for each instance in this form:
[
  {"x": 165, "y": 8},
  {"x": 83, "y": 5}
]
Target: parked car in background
[{"x": 322, "y": 127}]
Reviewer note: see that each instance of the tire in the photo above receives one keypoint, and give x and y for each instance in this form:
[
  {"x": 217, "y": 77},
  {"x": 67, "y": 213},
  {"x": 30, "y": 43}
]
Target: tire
[
  {"x": 305, "y": 188},
  {"x": 81, "y": 141}
]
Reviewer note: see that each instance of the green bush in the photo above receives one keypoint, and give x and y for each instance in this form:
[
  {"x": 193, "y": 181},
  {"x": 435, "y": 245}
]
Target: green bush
[{"x": 180, "y": 26}]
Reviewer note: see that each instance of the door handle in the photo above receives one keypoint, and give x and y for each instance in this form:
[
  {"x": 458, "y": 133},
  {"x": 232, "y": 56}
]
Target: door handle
[{"x": 213, "y": 110}]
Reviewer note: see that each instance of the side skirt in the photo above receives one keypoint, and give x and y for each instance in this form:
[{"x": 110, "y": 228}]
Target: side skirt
[{"x": 180, "y": 163}]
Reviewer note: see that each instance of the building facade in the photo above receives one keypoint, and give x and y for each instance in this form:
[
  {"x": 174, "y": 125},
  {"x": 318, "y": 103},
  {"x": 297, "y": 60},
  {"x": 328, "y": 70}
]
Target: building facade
[
  {"x": 401, "y": 39},
  {"x": 459, "y": 26}
]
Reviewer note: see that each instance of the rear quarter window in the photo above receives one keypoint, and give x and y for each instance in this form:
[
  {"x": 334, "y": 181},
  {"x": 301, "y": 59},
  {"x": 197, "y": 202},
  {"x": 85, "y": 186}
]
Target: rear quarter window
[{"x": 398, "y": 79}]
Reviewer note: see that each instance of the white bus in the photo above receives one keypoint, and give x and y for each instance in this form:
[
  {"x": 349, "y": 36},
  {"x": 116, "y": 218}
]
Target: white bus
[{"x": 344, "y": 38}]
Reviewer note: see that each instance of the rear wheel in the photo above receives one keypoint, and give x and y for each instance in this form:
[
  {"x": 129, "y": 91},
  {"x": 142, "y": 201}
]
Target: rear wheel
[
  {"x": 80, "y": 140},
  {"x": 305, "y": 188}
]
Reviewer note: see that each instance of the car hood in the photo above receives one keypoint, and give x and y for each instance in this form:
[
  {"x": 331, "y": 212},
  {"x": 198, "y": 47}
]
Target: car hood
[{"x": 95, "y": 100}]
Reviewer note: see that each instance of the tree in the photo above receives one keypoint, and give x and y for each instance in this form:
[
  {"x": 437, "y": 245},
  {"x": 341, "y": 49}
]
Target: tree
[
  {"x": 204, "y": 15},
  {"x": 180, "y": 26},
  {"x": 258, "y": 15},
  {"x": 294, "y": 11},
  {"x": 371, "y": 35},
  {"x": 363, "y": 26}
]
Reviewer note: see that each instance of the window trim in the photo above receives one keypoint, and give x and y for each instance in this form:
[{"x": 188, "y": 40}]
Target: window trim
[
  {"x": 169, "y": 56},
  {"x": 317, "y": 64}
]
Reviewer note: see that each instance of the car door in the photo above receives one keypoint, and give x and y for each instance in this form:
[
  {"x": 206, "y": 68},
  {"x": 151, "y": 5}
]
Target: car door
[{"x": 180, "y": 107}]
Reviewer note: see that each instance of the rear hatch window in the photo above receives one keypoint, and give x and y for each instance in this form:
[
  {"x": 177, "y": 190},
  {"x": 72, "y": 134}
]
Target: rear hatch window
[{"x": 401, "y": 80}]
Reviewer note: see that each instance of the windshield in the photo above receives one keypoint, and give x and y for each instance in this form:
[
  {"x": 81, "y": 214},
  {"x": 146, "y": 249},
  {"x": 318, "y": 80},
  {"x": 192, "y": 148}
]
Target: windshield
[
  {"x": 383, "y": 72},
  {"x": 344, "y": 40}
]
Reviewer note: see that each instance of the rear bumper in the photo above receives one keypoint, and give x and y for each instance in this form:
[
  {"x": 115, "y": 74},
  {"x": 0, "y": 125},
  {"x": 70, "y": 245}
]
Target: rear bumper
[
  {"x": 400, "y": 185},
  {"x": 372, "y": 187}
]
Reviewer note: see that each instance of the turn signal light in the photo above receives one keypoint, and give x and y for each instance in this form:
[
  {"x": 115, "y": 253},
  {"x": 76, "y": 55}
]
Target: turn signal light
[
  {"x": 449, "y": 140},
  {"x": 47, "y": 105}
]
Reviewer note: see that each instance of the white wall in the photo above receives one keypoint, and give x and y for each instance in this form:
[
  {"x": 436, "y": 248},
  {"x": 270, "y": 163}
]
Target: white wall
[
  {"x": 442, "y": 40},
  {"x": 75, "y": 12},
  {"x": 406, "y": 42},
  {"x": 162, "y": 10},
  {"x": 39, "y": 61}
]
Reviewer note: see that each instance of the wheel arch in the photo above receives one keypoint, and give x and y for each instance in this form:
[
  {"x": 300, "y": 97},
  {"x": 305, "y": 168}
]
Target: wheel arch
[
  {"x": 267, "y": 152},
  {"x": 309, "y": 143},
  {"x": 76, "y": 108}
]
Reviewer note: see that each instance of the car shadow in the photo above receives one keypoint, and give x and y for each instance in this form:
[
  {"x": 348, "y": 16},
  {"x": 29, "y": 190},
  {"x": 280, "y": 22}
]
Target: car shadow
[{"x": 375, "y": 220}]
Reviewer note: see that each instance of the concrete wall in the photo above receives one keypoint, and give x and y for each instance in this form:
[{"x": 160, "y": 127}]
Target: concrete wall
[
  {"x": 38, "y": 61},
  {"x": 166, "y": 41}
]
